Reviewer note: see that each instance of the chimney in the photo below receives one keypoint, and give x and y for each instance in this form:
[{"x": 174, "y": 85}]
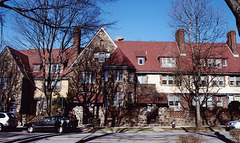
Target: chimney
[
  {"x": 232, "y": 42},
  {"x": 179, "y": 36},
  {"x": 76, "y": 41}
]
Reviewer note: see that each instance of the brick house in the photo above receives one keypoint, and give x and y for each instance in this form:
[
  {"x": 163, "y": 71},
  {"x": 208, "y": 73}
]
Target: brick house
[
  {"x": 125, "y": 82},
  {"x": 155, "y": 91},
  {"x": 22, "y": 79}
]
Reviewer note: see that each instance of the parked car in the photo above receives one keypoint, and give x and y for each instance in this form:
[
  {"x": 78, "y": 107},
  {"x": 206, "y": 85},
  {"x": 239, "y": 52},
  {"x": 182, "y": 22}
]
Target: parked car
[
  {"x": 57, "y": 123},
  {"x": 7, "y": 120},
  {"x": 233, "y": 125}
]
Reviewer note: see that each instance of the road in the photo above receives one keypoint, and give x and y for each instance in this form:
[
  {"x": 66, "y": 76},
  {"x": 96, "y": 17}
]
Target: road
[{"x": 79, "y": 137}]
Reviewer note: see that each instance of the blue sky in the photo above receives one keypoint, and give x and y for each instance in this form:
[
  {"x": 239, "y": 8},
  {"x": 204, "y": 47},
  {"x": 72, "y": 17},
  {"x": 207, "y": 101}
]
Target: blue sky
[
  {"x": 140, "y": 20},
  {"x": 147, "y": 20}
]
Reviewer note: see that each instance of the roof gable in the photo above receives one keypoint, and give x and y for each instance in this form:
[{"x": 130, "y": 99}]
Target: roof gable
[
  {"x": 100, "y": 34},
  {"x": 118, "y": 59}
]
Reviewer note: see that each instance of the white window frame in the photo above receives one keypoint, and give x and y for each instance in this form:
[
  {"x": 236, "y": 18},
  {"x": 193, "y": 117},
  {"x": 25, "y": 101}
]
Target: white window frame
[
  {"x": 203, "y": 81},
  {"x": 55, "y": 68},
  {"x": 142, "y": 79},
  {"x": 118, "y": 75},
  {"x": 101, "y": 57},
  {"x": 87, "y": 77},
  {"x": 215, "y": 63},
  {"x": 169, "y": 79},
  {"x": 216, "y": 81},
  {"x": 141, "y": 60},
  {"x": 219, "y": 101},
  {"x": 224, "y": 62},
  {"x": 168, "y": 62},
  {"x": 175, "y": 99},
  {"x": 209, "y": 101},
  {"x": 36, "y": 67},
  {"x": 118, "y": 99},
  {"x": 234, "y": 81}
]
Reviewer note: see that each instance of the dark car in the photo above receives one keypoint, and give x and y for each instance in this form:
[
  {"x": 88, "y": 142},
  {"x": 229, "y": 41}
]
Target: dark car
[{"x": 57, "y": 123}]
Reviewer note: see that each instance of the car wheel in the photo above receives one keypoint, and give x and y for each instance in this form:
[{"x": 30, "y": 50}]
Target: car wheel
[
  {"x": 30, "y": 129},
  {"x": 1, "y": 127},
  {"x": 60, "y": 129}
]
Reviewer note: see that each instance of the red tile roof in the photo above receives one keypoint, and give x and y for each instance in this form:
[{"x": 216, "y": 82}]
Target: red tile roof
[
  {"x": 154, "y": 50},
  {"x": 118, "y": 59}
]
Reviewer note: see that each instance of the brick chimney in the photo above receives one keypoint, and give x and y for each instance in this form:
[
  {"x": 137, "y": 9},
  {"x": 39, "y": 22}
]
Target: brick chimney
[
  {"x": 232, "y": 42},
  {"x": 76, "y": 41},
  {"x": 179, "y": 36}
]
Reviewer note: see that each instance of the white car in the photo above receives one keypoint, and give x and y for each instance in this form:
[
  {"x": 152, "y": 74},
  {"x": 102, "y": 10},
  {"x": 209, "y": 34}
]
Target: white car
[
  {"x": 7, "y": 120},
  {"x": 233, "y": 125}
]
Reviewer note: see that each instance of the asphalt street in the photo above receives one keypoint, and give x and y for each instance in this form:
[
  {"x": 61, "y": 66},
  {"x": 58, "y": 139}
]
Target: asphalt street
[{"x": 79, "y": 137}]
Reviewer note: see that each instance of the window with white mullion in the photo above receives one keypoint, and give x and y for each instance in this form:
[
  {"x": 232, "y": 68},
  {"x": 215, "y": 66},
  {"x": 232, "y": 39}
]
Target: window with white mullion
[
  {"x": 87, "y": 77},
  {"x": 168, "y": 62},
  {"x": 218, "y": 81},
  {"x": 234, "y": 80}
]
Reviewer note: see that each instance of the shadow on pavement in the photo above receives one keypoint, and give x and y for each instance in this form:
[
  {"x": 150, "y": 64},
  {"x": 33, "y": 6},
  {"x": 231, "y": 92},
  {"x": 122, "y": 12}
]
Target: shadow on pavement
[
  {"x": 88, "y": 138},
  {"x": 218, "y": 135}
]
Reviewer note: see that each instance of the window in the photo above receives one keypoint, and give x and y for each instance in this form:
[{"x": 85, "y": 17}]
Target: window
[
  {"x": 142, "y": 79},
  {"x": 3, "y": 83},
  {"x": 203, "y": 62},
  {"x": 130, "y": 77},
  {"x": 101, "y": 43},
  {"x": 208, "y": 101},
  {"x": 118, "y": 75},
  {"x": 215, "y": 63},
  {"x": 5, "y": 65},
  {"x": 203, "y": 81},
  {"x": 58, "y": 86},
  {"x": 225, "y": 62},
  {"x": 106, "y": 76},
  {"x": 118, "y": 99},
  {"x": 234, "y": 80},
  {"x": 233, "y": 98},
  {"x": 168, "y": 62},
  {"x": 55, "y": 68},
  {"x": 174, "y": 100},
  {"x": 141, "y": 61},
  {"x": 102, "y": 56},
  {"x": 87, "y": 77},
  {"x": 36, "y": 68},
  {"x": 219, "y": 101},
  {"x": 170, "y": 80},
  {"x": 218, "y": 81}
]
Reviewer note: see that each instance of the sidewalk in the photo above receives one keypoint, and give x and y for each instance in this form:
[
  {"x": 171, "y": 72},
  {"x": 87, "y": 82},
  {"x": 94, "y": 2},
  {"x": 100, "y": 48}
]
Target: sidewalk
[{"x": 150, "y": 129}]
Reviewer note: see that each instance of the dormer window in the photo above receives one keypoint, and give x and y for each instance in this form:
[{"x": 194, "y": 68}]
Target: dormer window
[
  {"x": 168, "y": 62},
  {"x": 141, "y": 60},
  {"x": 36, "y": 67},
  {"x": 55, "y": 68},
  {"x": 224, "y": 62},
  {"x": 215, "y": 63}
]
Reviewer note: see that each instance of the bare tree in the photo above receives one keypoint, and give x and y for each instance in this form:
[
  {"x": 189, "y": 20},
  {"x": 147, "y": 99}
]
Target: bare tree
[
  {"x": 49, "y": 30},
  {"x": 201, "y": 25}
]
